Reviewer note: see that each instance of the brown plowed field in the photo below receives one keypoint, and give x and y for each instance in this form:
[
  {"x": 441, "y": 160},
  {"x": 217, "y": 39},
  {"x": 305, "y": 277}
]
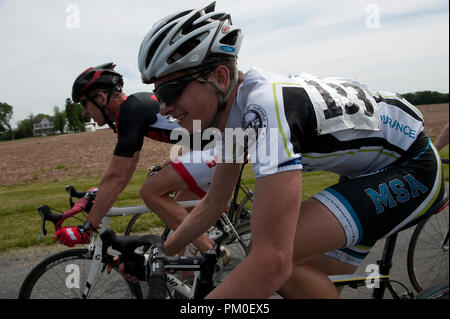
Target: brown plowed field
[{"x": 60, "y": 157}]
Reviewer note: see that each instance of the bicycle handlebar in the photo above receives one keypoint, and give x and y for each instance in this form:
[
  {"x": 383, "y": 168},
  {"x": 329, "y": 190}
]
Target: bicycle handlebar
[
  {"x": 84, "y": 203},
  {"x": 73, "y": 192},
  {"x": 152, "y": 271}
]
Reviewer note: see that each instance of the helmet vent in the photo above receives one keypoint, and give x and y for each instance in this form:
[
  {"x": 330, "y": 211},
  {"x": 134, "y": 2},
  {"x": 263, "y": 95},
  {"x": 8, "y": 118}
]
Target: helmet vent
[
  {"x": 189, "y": 25},
  {"x": 155, "y": 46},
  {"x": 187, "y": 47},
  {"x": 231, "y": 37}
]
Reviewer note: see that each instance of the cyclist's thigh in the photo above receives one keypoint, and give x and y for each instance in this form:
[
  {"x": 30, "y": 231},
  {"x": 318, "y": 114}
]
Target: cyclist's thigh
[
  {"x": 166, "y": 181},
  {"x": 332, "y": 266},
  {"x": 196, "y": 168},
  {"x": 317, "y": 231},
  {"x": 372, "y": 206},
  {"x": 349, "y": 258}
]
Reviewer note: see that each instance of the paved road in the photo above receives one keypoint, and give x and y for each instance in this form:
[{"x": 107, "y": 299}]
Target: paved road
[{"x": 14, "y": 267}]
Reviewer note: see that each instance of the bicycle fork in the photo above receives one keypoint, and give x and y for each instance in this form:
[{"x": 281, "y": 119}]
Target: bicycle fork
[
  {"x": 95, "y": 245},
  {"x": 229, "y": 228}
]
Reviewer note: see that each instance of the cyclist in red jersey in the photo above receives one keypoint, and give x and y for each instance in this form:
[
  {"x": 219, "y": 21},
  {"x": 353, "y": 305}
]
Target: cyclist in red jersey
[{"x": 133, "y": 117}]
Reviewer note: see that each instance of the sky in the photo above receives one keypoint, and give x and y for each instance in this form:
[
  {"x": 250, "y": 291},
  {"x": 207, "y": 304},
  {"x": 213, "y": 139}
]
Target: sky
[{"x": 400, "y": 46}]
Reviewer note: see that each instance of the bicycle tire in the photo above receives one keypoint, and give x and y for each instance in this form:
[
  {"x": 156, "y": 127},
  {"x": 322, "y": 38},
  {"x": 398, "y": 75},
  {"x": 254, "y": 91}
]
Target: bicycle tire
[
  {"x": 130, "y": 224},
  {"x": 430, "y": 266},
  {"x": 44, "y": 279},
  {"x": 439, "y": 291},
  {"x": 147, "y": 223},
  {"x": 241, "y": 214}
]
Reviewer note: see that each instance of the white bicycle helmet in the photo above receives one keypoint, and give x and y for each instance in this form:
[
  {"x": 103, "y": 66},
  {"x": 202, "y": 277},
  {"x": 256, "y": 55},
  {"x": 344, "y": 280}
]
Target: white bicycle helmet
[{"x": 188, "y": 39}]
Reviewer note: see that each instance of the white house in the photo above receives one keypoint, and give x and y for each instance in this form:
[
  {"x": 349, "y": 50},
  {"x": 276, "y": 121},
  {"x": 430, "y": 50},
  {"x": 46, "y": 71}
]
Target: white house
[{"x": 43, "y": 126}]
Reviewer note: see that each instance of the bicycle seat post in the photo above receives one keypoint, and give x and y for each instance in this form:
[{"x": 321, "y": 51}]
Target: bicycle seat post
[{"x": 385, "y": 265}]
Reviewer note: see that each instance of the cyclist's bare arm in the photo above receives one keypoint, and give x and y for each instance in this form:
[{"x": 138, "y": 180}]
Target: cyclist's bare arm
[
  {"x": 114, "y": 180},
  {"x": 275, "y": 213},
  {"x": 208, "y": 211}
]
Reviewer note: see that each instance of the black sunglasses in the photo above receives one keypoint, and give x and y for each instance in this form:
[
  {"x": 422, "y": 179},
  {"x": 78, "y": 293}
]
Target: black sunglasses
[{"x": 169, "y": 92}]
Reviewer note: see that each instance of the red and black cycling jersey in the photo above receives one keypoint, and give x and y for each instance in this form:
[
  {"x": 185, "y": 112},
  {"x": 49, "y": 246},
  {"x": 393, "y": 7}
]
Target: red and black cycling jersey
[{"x": 139, "y": 117}]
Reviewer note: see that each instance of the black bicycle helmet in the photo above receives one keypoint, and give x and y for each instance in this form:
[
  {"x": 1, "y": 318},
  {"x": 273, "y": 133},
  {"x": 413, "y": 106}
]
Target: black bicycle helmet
[{"x": 102, "y": 76}]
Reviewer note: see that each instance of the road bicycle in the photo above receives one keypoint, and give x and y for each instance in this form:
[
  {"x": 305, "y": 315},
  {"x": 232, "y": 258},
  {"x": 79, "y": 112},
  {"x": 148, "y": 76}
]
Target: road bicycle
[
  {"x": 154, "y": 269},
  {"x": 381, "y": 279},
  {"x": 80, "y": 273},
  {"x": 428, "y": 251}
]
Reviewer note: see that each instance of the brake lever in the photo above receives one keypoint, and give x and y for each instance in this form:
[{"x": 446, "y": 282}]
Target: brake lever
[
  {"x": 47, "y": 214},
  {"x": 43, "y": 230}
]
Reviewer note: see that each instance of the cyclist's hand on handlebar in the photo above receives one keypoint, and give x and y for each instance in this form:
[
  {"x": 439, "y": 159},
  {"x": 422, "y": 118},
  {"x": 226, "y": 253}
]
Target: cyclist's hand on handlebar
[
  {"x": 121, "y": 265},
  {"x": 70, "y": 236}
]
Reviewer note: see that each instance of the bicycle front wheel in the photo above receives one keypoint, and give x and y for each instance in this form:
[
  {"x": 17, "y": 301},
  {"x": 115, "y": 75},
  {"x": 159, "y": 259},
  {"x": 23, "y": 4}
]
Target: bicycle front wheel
[
  {"x": 428, "y": 254},
  {"x": 64, "y": 274}
]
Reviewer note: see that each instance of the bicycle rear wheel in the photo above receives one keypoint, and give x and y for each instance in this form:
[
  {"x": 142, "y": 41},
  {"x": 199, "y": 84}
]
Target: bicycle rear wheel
[
  {"x": 428, "y": 255},
  {"x": 143, "y": 224},
  {"x": 63, "y": 276}
]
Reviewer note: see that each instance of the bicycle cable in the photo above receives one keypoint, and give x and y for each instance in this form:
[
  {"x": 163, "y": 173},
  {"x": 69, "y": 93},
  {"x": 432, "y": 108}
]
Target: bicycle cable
[{"x": 408, "y": 292}]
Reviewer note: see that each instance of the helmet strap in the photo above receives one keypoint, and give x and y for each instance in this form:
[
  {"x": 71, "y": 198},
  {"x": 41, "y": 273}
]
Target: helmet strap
[
  {"x": 102, "y": 109},
  {"x": 221, "y": 96}
]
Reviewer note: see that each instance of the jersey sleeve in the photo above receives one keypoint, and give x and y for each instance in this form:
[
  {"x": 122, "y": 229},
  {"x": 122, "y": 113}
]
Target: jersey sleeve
[
  {"x": 134, "y": 118},
  {"x": 270, "y": 147}
]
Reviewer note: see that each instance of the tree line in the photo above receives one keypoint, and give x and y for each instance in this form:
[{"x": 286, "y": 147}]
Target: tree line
[
  {"x": 69, "y": 119},
  {"x": 426, "y": 97}
]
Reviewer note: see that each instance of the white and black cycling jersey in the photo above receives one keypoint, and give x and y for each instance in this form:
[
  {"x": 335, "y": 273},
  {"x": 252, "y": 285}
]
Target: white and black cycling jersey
[{"x": 330, "y": 124}]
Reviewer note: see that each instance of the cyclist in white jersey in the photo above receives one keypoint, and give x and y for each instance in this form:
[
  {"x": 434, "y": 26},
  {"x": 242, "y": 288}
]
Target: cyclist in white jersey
[{"x": 391, "y": 173}]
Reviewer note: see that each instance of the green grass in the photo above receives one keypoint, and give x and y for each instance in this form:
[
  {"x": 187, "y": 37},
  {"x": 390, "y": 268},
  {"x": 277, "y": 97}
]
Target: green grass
[{"x": 20, "y": 223}]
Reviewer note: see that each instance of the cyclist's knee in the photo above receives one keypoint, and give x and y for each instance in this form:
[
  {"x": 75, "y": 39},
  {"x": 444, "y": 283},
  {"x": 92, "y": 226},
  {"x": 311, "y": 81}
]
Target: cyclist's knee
[
  {"x": 186, "y": 194},
  {"x": 150, "y": 190}
]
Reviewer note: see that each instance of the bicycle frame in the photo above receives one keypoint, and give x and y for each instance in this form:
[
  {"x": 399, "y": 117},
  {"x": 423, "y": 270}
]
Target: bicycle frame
[
  {"x": 179, "y": 286},
  {"x": 382, "y": 277},
  {"x": 95, "y": 245}
]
